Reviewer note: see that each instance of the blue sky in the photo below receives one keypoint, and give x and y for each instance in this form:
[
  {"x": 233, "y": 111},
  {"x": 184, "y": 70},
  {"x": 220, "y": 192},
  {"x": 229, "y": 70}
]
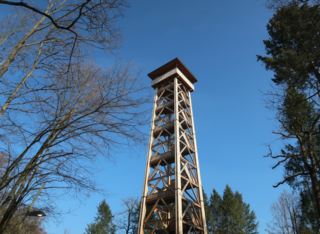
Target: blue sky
[{"x": 218, "y": 41}]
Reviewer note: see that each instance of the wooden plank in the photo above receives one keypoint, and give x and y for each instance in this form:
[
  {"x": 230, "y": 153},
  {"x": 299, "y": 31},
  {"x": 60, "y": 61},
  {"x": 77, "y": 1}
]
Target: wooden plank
[
  {"x": 193, "y": 225},
  {"x": 192, "y": 158},
  {"x": 165, "y": 162},
  {"x": 169, "y": 209},
  {"x": 188, "y": 136},
  {"x": 185, "y": 211},
  {"x": 174, "y": 72},
  {"x": 167, "y": 87},
  {"x": 153, "y": 188},
  {"x": 166, "y": 127},
  {"x": 153, "y": 230},
  {"x": 162, "y": 92},
  {"x": 190, "y": 181},
  {"x": 190, "y": 196},
  {"x": 159, "y": 135},
  {"x": 155, "y": 169},
  {"x": 151, "y": 211},
  {"x": 160, "y": 171},
  {"x": 157, "y": 116},
  {"x": 188, "y": 173},
  {"x": 194, "y": 177},
  {"x": 184, "y": 166},
  {"x": 183, "y": 198},
  {"x": 195, "y": 212},
  {"x": 155, "y": 154},
  {"x": 185, "y": 186},
  {"x": 159, "y": 214},
  {"x": 165, "y": 183},
  {"x": 162, "y": 157},
  {"x": 165, "y": 118},
  {"x": 164, "y": 105},
  {"x": 158, "y": 126},
  {"x": 159, "y": 189},
  {"x": 194, "y": 193},
  {"x": 160, "y": 143},
  {"x": 161, "y": 177},
  {"x": 198, "y": 170},
  {"x": 169, "y": 133},
  {"x": 160, "y": 102},
  {"x": 164, "y": 195},
  {"x": 178, "y": 201},
  {"x": 147, "y": 171},
  {"x": 164, "y": 228},
  {"x": 157, "y": 221},
  {"x": 163, "y": 211}
]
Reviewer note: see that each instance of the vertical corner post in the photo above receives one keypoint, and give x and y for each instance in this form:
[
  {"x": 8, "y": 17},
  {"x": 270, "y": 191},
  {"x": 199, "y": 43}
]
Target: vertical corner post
[
  {"x": 178, "y": 199},
  {"x": 147, "y": 171},
  {"x": 198, "y": 170}
]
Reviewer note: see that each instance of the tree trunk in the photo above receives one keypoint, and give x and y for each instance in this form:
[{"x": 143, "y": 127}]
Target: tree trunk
[
  {"x": 312, "y": 171},
  {"x": 8, "y": 216},
  {"x": 128, "y": 229},
  {"x": 315, "y": 184}
]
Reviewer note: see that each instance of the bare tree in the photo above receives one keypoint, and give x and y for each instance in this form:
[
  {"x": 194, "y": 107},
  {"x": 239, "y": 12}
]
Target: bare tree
[
  {"x": 32, "y": 224},
  {"x": 276, "y": 4},
  {"x": 87, "y": 112},
  {"x": 35, "y": 41},
  {"x": 127, "y": 219},
  {"x": 286, "y": 215},
  {"x": 59, "y": 111}
]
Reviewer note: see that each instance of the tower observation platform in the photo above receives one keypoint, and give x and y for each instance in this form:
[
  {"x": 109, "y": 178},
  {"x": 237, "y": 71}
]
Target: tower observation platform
[{"x": 172, "y": 199}]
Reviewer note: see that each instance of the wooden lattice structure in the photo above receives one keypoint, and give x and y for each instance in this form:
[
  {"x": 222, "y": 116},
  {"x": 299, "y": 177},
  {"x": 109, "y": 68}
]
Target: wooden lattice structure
[{"x": 172, "y": 199}]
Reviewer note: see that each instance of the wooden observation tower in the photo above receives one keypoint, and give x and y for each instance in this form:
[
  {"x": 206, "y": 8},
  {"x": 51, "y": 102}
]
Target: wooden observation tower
[{"x": 172, "y": 199}]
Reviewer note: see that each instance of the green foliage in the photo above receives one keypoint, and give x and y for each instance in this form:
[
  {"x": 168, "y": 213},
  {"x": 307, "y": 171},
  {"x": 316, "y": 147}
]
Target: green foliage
[
  {"x": 293, "y": 54},
  {"x": 298, "y": 115},
  {"x": 207, "y": 210},
  {"x": 309, "y": 216},
  {"x": 103, "y": 222},
  {"x": 215, "y": 204},
  {"x": 230, "y": 215},
  {"x": 293, "y": 46}
]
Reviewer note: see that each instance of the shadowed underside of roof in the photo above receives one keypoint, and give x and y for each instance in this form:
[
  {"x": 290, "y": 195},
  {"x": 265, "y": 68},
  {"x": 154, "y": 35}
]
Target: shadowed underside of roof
[{"x": 175, "y": 63}]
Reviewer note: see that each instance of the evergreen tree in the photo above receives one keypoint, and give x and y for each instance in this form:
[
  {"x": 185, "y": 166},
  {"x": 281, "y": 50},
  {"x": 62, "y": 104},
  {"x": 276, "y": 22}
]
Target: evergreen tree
[
  {"x": 309, "y": 216},
  {"x": 215, "y": 203},
  {"x": 293, "y": 51},
  {"x": 229, "y": 206},
  {"x": 207, "y": 210},
  {"x": 231, "y": 215},
  {"x": 103, "y": 222},
  {"x": 246, "y": 218}
]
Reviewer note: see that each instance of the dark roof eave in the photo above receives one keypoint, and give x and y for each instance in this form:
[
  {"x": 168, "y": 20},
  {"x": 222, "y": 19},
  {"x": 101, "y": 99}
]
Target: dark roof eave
[{"x": 171, "y": 65}]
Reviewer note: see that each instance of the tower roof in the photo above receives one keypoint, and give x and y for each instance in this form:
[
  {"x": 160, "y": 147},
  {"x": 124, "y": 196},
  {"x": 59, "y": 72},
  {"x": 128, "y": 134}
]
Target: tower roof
[{"x": 175, "y": 63}]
